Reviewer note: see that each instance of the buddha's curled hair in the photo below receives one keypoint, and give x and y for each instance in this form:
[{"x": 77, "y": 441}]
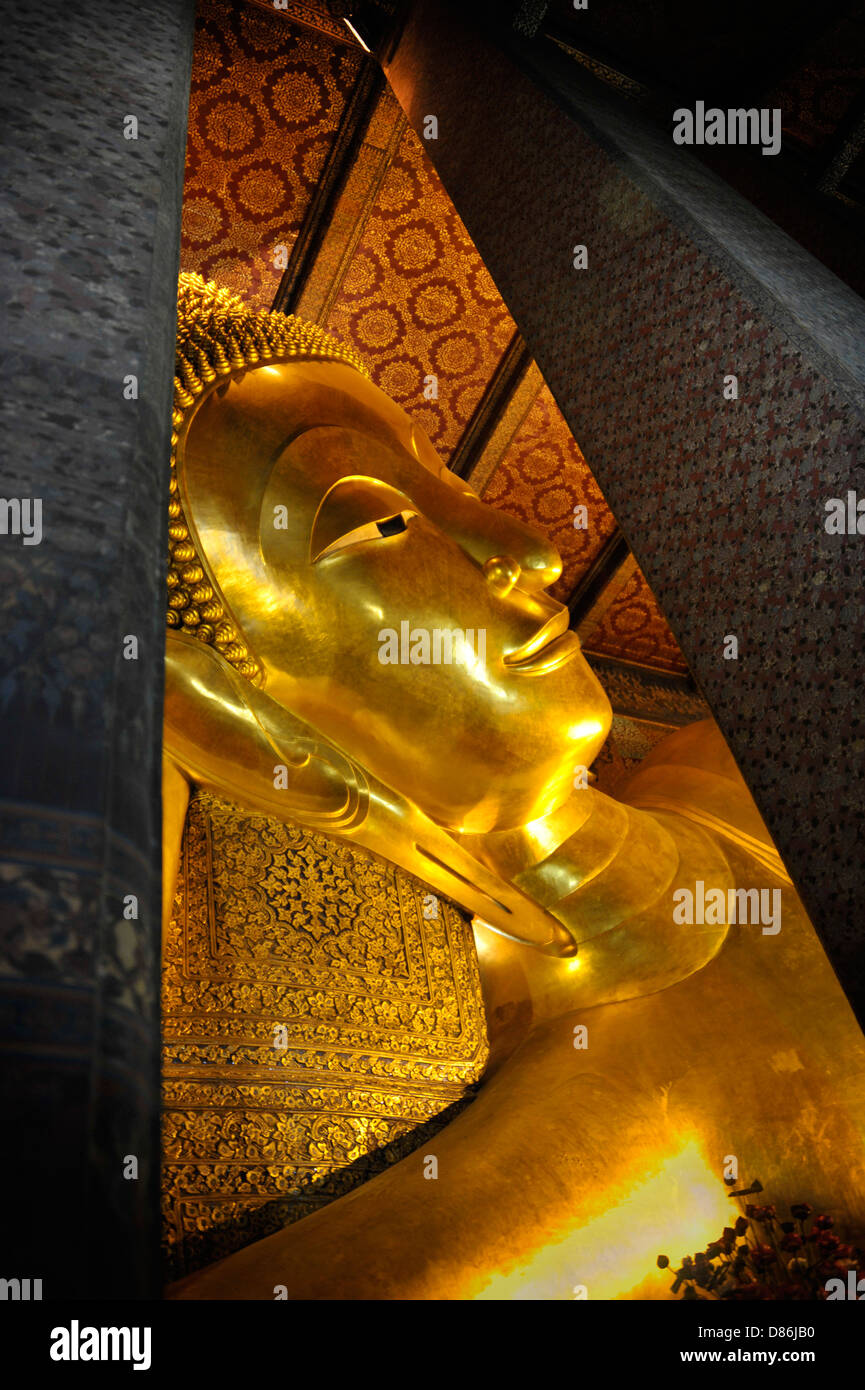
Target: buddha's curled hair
[{"x": 217, "y": 337}]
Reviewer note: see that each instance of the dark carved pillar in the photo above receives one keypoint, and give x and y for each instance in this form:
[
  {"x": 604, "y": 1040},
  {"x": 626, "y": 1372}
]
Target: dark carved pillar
[
  {"x": 722, "y": 501},
  {"x": 92, "y": 223}
]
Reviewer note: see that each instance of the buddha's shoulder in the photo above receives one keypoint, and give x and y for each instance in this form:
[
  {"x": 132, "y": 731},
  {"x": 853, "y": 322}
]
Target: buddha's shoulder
[
  {"x": 698, "y": 749},
  {"x": 694, "y": 774}
]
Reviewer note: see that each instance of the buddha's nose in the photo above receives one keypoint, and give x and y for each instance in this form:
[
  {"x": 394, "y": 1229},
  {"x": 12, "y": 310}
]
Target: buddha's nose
[{"x": 501, "y": 573}]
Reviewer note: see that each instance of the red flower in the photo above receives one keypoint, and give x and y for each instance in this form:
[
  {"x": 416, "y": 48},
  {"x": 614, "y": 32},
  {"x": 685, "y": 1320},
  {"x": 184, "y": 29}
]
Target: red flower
[
  {"x": 823, "y": 1223},
  {"x": 741, "y": 1226},
  {"x": 826, "y": 1241},
  {"x": 761, "y": 1213},
  {"x": 792, "y": 1242},
  {"x": 801, "y": 1211},
  {"x": 763, "y": 1255}
]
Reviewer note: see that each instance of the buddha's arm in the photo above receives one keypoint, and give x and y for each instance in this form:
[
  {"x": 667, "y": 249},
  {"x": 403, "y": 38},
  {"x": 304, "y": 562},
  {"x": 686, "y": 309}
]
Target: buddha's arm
[
  {"x": 533, "y": 1150},
  {"x": 578, "y": 1166}
]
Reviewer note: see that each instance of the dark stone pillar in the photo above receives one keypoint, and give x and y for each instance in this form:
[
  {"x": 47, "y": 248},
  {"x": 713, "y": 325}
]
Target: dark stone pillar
[
  {"x": 92, "y": 227},
  {"x": 722, "y": 501}
]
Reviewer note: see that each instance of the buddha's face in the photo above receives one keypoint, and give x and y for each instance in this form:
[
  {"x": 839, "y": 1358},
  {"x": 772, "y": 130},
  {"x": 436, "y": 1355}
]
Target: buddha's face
[{"x": 329, "y": 523}]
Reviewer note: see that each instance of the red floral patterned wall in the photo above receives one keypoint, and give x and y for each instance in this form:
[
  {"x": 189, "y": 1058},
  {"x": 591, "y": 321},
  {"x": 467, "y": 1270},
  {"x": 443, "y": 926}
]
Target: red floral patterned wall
[
  {"x": 267, "y": 98},
  {"x": 542, "y": 477},
  {"x": 417, "y": 301},
  {"x": 414, "y": 297},
  {"x": 633, "y": 628}
]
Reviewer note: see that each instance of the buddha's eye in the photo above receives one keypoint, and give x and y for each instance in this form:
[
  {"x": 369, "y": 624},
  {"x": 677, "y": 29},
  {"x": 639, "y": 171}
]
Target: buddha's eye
[
  {"x": 358, "y": 509},
  {"x": 392, "y": 525},
  {"x": 370, "y": 531}
]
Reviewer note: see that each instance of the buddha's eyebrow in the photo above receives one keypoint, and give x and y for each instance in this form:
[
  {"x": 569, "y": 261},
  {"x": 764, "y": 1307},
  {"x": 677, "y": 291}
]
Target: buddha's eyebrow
[
  {"x": 358, "y": 485},
  {"x": 354, "y": 500}
]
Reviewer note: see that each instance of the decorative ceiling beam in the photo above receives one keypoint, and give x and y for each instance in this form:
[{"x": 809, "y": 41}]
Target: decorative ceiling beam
[
  {"x": 508, "y": 374},
  {"x": 589, "y": 587},
  {"x": 349, "y": 138},
  {"x": 309, "y": 17}
]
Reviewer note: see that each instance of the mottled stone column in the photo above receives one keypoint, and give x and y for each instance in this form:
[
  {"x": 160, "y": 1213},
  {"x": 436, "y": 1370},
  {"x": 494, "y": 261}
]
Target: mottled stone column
[
  {"x": 91, "y": 217},
  {"x": 722, "y": 501}
]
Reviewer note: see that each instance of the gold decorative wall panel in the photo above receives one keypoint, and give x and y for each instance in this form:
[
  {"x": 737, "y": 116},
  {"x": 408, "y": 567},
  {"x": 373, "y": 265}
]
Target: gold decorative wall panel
[{"x": 275, "y": 928}]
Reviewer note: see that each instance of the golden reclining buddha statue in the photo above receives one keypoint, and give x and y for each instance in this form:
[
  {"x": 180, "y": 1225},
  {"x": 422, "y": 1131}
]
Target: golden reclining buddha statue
[{"x": 359, "y": 645}]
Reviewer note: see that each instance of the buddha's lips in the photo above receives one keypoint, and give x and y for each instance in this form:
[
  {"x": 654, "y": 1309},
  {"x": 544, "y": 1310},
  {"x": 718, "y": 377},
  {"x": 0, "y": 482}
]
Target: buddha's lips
[{"x": 552, "y": 645}]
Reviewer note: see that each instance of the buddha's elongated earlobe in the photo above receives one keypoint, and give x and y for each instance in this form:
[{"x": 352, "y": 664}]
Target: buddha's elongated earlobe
[{"x": 255, "y": 752}]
